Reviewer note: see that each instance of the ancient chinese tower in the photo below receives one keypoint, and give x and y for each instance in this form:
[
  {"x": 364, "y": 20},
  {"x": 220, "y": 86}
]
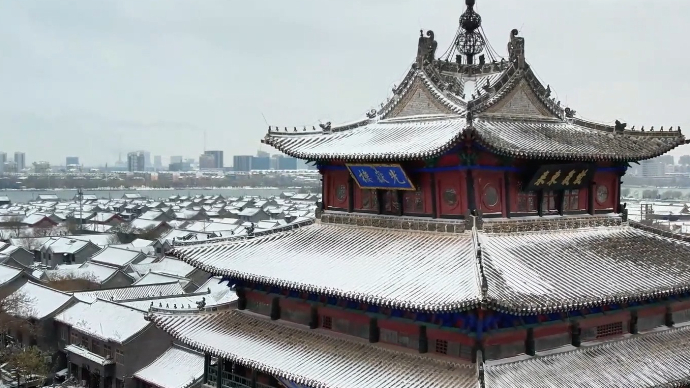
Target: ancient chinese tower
[{"x": 470, "y": 235}]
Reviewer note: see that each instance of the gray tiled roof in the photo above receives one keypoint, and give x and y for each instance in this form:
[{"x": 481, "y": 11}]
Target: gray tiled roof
[
  {"x": 404, "y": 269},
  {"x": 307, "y": 357},
  {"x": 393, "y": 139},
  {"x": 526, "y": 272},
  {"x": 416, "y": 137},
  {"x": 564, "y": 140},
  {"x": 561, "y": 270},
  {"x": 658, "y": 359}
]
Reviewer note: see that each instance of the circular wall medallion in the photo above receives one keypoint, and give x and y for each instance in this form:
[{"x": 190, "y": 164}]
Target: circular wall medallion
[
  {"x": 602, "y": 194},
  {"x": 450, "y": 197},
  {"x": 341, "y": 193},
  {"x": 490, "y": 196}
]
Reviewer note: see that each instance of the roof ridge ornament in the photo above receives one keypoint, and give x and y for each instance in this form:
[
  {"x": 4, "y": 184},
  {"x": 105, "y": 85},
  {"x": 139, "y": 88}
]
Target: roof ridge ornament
[
  {"x": 516, "y": 49},
  {"x": 470, "y": 42},
  {"x": 426, "y": 48},
  {"x": 620, "y": 127}
]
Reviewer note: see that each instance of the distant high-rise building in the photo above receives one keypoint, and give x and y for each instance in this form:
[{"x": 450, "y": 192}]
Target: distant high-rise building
[
  {"x": 175, "y": 159},
  {"x": 147, "y": 160},
  {"x": 242, "y": 162},
  {"x": 72, "y": 161},
  {"x": 207, "y": 162},
  {"x": 136, "y": 161},
  {"x": 20, "y": 160},
  {"x": 157, "y": 161},
  {"x": 262, "y": 154},
  {"x": 218, "y": 157},
  {"x": 261, "y": 163},
  {"x": 283, "y": 162},
  {"x": 3, "y": 160}
]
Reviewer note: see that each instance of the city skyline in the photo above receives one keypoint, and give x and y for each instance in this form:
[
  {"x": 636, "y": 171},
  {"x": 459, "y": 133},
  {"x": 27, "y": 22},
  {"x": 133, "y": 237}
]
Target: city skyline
[{"x": 103, "y": 54}]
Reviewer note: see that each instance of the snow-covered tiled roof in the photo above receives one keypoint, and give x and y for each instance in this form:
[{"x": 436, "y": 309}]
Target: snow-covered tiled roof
[
  {"x": 392, "y": 139},
  {"x": 167, "y": 265},
  {"x": 308, "y": 357},
  {"x": 221, "y": 293},
  {"x": 42, "y": 301},
  {"x": 146, "y": 224},
  {"x": 89, "y": 270},
  {"x": 116, "y": 256},
  {"x": 105, "y": 320},
  {"x": 132, "y": 292},
  {"x": 536, "y": 272},
  {"x": 178, "y": 367},
  {"x": 657, "y": 359},
  {"x": 85, "y": 353},
  {"x": 159, "y": 278},
  {"x": 568, "y": 140},
  {"x": 400, "y": 268},
  {"x": 7, "y": 274}
]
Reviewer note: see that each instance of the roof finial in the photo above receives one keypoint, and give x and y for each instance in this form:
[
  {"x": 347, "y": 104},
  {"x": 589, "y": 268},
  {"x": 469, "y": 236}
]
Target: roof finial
[{"x": 470, "y": 42}]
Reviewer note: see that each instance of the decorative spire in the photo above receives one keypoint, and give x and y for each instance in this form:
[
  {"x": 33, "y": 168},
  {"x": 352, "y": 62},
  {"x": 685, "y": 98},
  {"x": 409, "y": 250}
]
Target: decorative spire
[{"x": 470, "y": 42}]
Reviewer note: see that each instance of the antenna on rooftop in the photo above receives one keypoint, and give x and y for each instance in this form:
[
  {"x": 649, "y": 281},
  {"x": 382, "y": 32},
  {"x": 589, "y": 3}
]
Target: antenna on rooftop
[{"x": 80, "y": 197}]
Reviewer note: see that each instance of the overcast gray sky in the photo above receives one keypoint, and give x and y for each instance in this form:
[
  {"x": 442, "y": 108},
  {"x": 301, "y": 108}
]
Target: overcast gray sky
[{"x": 94, "y": 78}]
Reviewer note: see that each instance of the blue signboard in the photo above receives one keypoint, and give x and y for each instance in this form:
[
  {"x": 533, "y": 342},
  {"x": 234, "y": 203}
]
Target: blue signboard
[
  {"x": 380, "y": 176},
  {"x": 290, "y": 384}
]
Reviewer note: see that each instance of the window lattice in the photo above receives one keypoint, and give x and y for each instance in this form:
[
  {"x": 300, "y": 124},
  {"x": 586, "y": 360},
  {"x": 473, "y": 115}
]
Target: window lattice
[
  {"x": 441, "y": 346},
  {"x": 527, "y": 201},
  {"x": 327, "y": 322},
  {"x": 571, "y": 200},
  {"x": 548, "y": 202},
  {"x": 610, "y": 329}
]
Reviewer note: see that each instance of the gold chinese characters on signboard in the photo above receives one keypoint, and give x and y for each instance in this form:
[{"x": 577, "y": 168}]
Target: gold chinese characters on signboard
[{"x": 561, "y": 177}]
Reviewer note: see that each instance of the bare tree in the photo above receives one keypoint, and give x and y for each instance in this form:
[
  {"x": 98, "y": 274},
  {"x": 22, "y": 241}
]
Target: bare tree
[
  {"x": 43, "y": 232},
  {"x": 73, "y": 225},
  {"x": 15, "y": 312},
  {"x": 69, "y": 282},
  {"x": 113, "y": 239},
  {"x": 30, "y": 243},
  {"x": 15, "y": 225},
  {"x": 150, "y": 233}
]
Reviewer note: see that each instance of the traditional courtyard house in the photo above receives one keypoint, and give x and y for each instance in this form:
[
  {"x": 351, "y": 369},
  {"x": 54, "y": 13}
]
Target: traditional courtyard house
[
  {"x": 191, "y": 214},
  {"x": 99, "y": 275},
  {"x": 11, "y": 279},
  {"x": 39, "y": 220},
  {"x": 152, "y": 277},
  {"x": 62, "y": 250},
  {"x": 106, "y": 342},
  {"x": 158, "y": 215},
  {"x": 175, "y": 267},
  {"x": 132, "y": 196},
  {"x": 117, "y": 257},
  {"x": 472, "y": 220},
  {"x": 16, "y": 257},
  {"x": 253, "y": 214},
  {"x": 106, "y": 218},
  {"x": 178, "y": 367},
  {"x": 43, "y": 303},
  {"x": 142, "y": 225},
  {"x": 159, "y": 247},
  {"x": 48, "y": 198}
]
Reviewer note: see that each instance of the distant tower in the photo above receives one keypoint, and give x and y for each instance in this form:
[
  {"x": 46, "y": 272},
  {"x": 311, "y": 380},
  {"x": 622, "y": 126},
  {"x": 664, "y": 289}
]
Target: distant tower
[{"x": 20, "y": 160}]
